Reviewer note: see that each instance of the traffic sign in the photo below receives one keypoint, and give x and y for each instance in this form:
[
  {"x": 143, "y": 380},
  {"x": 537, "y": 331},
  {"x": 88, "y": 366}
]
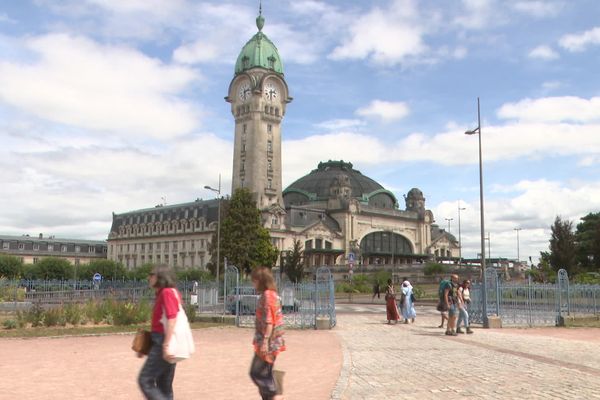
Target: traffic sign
[
  {"x": 97, "y": 277},
  {"x": 350, "y": 257}
]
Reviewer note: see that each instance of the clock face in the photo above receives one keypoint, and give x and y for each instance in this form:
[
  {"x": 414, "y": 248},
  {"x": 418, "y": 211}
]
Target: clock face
[
  {"x": 244, "y": 91},
  {"x": 270, "y": 91}
]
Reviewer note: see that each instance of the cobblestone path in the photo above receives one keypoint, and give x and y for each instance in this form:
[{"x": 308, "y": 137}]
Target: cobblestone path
[{"x": 416, "y": 361}]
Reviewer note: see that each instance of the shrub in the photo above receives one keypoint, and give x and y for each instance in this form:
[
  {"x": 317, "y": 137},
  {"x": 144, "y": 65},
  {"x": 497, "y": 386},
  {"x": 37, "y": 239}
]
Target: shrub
[
  {"x": 190, "y": 312},
  {"x": 55, "y": 317},
  {"x": 73, "y": 314},
  {"x": 10, "y": 324},
  {"x": 418, "y": 292},
  {"x": 434, "y": 269},
  {"x": 35, "y": 315}
]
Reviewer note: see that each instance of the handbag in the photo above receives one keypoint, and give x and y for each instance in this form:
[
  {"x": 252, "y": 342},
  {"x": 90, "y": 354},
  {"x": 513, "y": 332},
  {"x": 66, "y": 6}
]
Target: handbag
[
  {"x": 181, "y": 345},
  {"x": 412, "y": 298},
  {"x": 142, "y": 341}
]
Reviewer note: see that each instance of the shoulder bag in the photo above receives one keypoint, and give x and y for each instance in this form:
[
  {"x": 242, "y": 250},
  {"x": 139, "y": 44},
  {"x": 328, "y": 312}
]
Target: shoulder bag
[
  {"x": 181, "y": 345},
  {"x": 142, "y": 342}
]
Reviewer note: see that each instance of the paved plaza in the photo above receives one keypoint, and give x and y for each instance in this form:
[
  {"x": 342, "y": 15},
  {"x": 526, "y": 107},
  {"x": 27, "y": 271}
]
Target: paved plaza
[{"x": 362, "y": 358}]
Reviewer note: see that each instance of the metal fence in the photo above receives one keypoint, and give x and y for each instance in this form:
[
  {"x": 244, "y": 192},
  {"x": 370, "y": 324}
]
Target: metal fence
[
  {"x": 302, "y": 303},
  {"x": 533, "y": 304},
  {"x": 21, "y": 294}
]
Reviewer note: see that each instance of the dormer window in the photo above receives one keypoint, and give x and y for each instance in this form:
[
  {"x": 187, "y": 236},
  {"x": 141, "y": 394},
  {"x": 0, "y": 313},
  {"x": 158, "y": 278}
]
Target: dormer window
[
  {"x": 245, "y": 62},
  {"x": 271, "y": 60}
]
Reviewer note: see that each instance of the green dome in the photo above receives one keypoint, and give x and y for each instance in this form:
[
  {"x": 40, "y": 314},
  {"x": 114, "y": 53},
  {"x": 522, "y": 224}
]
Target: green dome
[{"x": 259, "y": 52}]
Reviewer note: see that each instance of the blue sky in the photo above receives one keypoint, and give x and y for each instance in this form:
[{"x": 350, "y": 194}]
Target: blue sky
[{"x": 109, "y": 105}]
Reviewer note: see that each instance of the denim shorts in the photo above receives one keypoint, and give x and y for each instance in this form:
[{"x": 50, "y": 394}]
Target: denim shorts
[{"x": 452, "y": 310}]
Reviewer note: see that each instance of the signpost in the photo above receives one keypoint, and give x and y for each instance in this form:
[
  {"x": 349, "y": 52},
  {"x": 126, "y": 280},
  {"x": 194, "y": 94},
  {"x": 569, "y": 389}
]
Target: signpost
[{"x": 97, "y": 279}]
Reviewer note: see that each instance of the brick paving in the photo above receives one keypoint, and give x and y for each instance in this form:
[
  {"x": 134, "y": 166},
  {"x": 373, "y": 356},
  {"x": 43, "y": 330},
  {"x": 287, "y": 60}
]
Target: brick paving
[
  {"x": 104, "y": 367},
  {"x": 405, "y": 361},
  {"x": 362, "y": 358}
]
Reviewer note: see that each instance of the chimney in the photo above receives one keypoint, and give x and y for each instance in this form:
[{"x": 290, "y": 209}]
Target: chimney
[{"x": 41, "y": 235}]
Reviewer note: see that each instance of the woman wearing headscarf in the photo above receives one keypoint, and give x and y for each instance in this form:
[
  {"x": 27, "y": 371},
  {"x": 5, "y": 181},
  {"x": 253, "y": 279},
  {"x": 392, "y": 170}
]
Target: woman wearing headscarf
[{"x": 407, "y": 305}]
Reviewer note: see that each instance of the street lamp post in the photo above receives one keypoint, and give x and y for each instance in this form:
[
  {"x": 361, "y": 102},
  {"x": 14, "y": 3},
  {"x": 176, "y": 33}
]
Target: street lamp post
[
  {"x": 449, "y": 219},
  {"x": 459, "y": 238},
  {"x": 481, "y": 217},
  {"x": 218, "y": 191},
  {"x": 518, "y": 253}
]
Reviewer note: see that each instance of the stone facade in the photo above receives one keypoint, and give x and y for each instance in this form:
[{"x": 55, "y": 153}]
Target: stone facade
[
  {"x": 178, "y": 235},
  {"x": 31, "y": 249}
]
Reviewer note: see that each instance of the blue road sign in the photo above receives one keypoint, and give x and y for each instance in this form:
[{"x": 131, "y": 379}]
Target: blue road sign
[
  {"x": 97, "y": 277},
  {"x": 351, "y": 257}
]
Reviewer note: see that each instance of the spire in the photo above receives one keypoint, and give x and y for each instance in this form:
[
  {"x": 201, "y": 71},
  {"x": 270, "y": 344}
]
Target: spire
[{"x": 260, "y": 21}]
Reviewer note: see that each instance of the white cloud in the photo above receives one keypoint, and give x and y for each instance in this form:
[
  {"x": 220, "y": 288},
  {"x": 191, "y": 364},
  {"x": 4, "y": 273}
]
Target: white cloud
[
  {"x": 387, "y": 36},
  {"x": 54, "y": 195},
  {"x": 543, "y": 52},
  {"x": 340, "y": 124},
  {"x": 551, "y": 85},
  {"x": 387, "y": 111},
  {"x": 533, "y": 209},
  {"x": 553, "y": 109},
  {"x": 216, "y": 27},
  {"x": 580, "y": 41},
  {"x": 78, "y": 82},
  {"x": 4, "y": 18},
  {"x": 477, "y": 14},
  {"x": 538, "y": 8}
]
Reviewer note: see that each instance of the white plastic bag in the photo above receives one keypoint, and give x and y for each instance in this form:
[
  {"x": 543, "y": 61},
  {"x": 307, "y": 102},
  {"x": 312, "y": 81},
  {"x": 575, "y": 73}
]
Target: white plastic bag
[{"x": 181, "y": 345}]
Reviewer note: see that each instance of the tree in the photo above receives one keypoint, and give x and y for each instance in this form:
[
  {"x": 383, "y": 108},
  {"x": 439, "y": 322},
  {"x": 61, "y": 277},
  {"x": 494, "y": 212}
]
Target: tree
[
  {"x": 294, "y": 263},
  {"x": 10, "y": 266},
  {"x": 109, "y": 269},
  {"x": 588, "y": 241},
  {"x": 562, "y": 246},
  {"x": 54, "y": 268},
  {"x": 244, "y": 241}
]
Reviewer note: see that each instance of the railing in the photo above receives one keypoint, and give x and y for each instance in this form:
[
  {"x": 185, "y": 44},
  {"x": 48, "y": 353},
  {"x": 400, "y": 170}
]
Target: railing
[{"x": 533, "y": 304}]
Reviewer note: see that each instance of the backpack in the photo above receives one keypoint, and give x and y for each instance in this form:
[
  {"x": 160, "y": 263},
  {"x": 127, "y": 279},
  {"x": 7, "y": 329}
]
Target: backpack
[{"x": 444, "y": 284}]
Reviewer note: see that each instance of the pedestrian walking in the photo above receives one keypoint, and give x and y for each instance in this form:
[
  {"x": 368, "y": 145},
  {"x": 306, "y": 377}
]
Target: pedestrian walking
[
  {"x": 268, "y": 335},
  {"x": 376, "y": 291},
  {"x": 451, "y": 304},
  {"x": 407, "y": 302},
  {"x": 464, "y": 299},
  {"x": 390, "y": 303},
  {"x": 157, "y": 374},
  {"x": 441, "y": 307}
]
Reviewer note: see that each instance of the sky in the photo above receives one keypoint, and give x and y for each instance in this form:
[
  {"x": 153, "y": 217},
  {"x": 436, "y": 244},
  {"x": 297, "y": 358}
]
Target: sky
[{"x": 115, "y": 105}]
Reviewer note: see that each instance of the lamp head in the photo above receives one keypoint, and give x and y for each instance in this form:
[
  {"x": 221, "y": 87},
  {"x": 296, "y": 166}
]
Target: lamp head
[{"x": 472, "y": 132}]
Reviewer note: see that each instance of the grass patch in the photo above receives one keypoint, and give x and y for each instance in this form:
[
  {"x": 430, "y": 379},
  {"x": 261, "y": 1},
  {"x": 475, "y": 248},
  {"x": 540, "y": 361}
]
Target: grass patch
[{"x": 84, "y": 330}]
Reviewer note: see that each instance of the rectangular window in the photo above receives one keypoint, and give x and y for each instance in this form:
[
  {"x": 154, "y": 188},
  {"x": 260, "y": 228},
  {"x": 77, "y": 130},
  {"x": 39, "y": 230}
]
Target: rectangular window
[
  {"x": 63, "y": 248},
  {"x": 318, "y": 243},
  {"x": 244, "y": 128},
  {"x": 328, "y": 245},
  {"x": 143, "y": 246},
  {"x": 50, "y": 247},
  {"x": 92, "y": 249},
  {"x": 150, "y": 246},
  {"x": 269, "y": 128},
  {"x": 21, "y": 246},
  {"x": 308, "y": 244},
  {"x": 174, "y": 247},
  {"x": 243, "y": 166},
  {"x": 269, "y": 146},
  {"x": 243, "y": 145},
  {"x": 36, "y": 247},
  {"x": 5, "y": 245},
  {"x": 270, "y": 165},
  {"x": 270, "y": 184},
  {"x": 77, "y": 249}
]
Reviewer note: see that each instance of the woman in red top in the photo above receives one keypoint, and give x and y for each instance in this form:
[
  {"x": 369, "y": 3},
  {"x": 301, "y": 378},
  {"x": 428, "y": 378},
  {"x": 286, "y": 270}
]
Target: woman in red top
[
  {"x": 156, "y": 377},
  {"x": 268, "y": 337}
]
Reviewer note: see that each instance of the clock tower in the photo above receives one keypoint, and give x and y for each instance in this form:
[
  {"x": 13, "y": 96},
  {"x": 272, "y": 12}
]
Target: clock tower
[{"x": 258, "y": 95}]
